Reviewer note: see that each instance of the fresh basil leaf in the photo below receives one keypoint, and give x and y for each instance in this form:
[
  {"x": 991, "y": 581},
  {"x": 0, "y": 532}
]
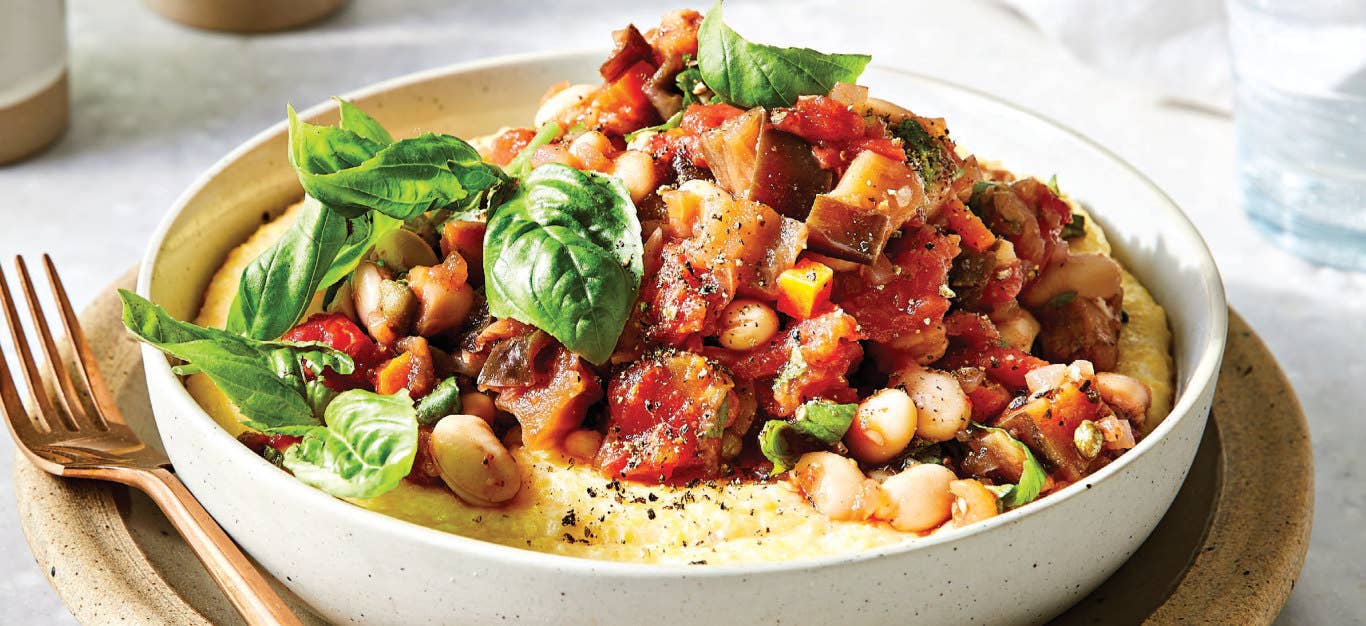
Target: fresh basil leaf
[
  {"x": 350, "y": 171},
  {"x": 564, "y": 255},
  {"x": 366, "y": 231},
  {"x": 319, "y": 396},
  {"x": 773, "y": 443},
  {"x": 406, "y": 178},
  {"x": 520, "y": 165},
  {"x": 1032, "y": 478},
  {"x": 748, "y": 74},
  {"x": 367, "y": 446},
  {"x": 818, "y": 420},
  {"x": 326, "y": 149},
  {"x": 277, "y": 287},
  {"x": 1075, "y": 228},
  {"x": 263, "y": 378},
  {"x": 360, "y": 122},
  {"x": 442, "y": 400},
  {"x": 688, "y": 81}
]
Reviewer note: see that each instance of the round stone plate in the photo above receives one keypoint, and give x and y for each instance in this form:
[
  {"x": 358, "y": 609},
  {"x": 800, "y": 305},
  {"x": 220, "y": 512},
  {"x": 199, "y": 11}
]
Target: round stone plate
[{"x": 1228, "y": 551}]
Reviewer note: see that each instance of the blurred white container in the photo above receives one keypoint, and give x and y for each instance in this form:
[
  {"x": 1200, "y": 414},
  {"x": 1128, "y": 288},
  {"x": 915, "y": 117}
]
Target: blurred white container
[{"x": 33, "y": 76}]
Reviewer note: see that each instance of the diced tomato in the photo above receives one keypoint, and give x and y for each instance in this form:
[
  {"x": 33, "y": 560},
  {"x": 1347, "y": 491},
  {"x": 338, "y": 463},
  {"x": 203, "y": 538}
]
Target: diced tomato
[
  {"x": 912, "y": 302},
  {"x": 1003, "y": 364},
  {"x": 676, "y": 35},
  {"x": 622, "y": 105},
  {"x": 684, "y": 140},
  {"x": 818, "y": 118},
  {"x": 829, "y": 348},
  {"x": 508, "y": 144},
  {"x": 467, "y": 238},
  {"x": 412, "y": 370},
  {"x": 988, "y": 400},
  {"x": 340, "y": 333},
  {"x": 975, "y": 235},
  {"x": 699, "y": 118},
  {"x": 668, "y": 412},
  {"x": 682, "y": 301}
]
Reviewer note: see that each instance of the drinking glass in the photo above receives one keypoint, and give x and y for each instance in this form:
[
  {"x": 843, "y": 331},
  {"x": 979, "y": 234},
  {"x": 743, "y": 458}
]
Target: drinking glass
[{"x": 1300, "y": 118}]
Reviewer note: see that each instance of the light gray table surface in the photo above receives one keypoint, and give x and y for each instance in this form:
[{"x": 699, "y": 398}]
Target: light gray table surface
[{"x": 154, "y": 104}]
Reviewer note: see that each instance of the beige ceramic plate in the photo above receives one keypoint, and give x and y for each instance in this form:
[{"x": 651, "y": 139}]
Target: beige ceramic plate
[{"x": 1228, "y": 551}]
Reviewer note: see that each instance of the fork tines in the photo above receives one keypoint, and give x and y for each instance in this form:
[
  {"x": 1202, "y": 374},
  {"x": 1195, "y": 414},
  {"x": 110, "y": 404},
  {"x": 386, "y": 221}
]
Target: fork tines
[{"x": 76, "y": 408}]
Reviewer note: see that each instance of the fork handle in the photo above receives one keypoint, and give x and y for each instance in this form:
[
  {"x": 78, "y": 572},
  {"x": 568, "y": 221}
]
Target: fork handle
[{"x": 248, "y": 591}]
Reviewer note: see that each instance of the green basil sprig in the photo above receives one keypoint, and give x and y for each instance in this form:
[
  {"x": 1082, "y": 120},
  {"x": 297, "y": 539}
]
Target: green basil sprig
[
  {"x": 564, "y": 255},
  {"x": 366, "y": 447},
  {"x": 749, "y": 74},
  {"x": 1032, "y": 478},
  {"x": 353, "y": 174},
  {"x": 818, "y": 420},
  {"x": 263, "y": 378}
]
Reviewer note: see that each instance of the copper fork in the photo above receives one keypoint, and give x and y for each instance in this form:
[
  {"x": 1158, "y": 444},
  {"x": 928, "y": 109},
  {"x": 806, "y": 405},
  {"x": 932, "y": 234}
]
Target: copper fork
[{"x": 83, "y": 435}]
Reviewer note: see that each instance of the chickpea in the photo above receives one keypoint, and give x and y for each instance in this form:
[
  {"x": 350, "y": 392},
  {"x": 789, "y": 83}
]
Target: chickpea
[
  {"x": 942, "y": 406},
  {"x": 478, "y": 405},
  {"x": 637, "y": 172},
  {"x": 591, "y": 150},
  {"x": 745, "y": 324},
  {"x": 920, "y": 497},
  {"x": 472, "y": 462},
  {"x": 973, "y": 502},
  {"x": 835, "y": 486},
  {"x": 583, "y": 443},
  {"x": 882, "y": 427}
]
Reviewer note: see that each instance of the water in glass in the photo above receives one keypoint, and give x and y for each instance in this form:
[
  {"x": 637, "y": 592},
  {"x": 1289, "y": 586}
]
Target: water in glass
[{"x": 1300, "y": 111}]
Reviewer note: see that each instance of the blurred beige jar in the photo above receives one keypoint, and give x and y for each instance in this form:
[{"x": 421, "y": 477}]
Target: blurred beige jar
[
  {"x": 33, "y": 87},
  {"x": 245, "y": 16}
]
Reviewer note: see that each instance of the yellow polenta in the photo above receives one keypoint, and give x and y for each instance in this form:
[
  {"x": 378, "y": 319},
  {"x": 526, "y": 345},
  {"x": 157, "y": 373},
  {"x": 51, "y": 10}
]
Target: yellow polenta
[{"x": 572, "y": 509}]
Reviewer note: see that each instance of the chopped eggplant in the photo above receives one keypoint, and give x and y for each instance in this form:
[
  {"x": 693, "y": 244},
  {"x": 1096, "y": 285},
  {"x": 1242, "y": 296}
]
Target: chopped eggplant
[
  {"x": 787, "y": 176},
  {"x": 730, "y": 150},
  {"x": 845, "y": 231},
  {"x": 631, "y": 49},
  {"x": 516, "y": 362}
]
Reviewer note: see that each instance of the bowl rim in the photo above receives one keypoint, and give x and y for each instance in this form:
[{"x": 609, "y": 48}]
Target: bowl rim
[{"x": 158, "y": 370}]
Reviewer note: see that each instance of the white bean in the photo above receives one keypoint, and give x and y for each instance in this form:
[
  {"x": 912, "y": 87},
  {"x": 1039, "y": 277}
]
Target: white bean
[
  {"x": 920, "y": 497},
  {"x": 473, "y": 462},
  {"x": 942, "y": 406},
  {"x": 746, "y": 323},
  {"x": 637, "y": 172},
  {"x": 1019, "y": 329},
  {"x": 1125, "y": 394},
  {"x": 560, "y": 102},
  {"x": 883, "y": 426},
  {"x": 479, "y": 405},
  {"x": 583, "y": 443},
  {"x": 403, "y": 250},
  {"x": 973, "y": 502},
  {"x": 835, "y": 486}
]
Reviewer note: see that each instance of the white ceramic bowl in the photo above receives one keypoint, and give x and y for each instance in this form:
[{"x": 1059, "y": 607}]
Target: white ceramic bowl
[{"x": 354, "y": 565}]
